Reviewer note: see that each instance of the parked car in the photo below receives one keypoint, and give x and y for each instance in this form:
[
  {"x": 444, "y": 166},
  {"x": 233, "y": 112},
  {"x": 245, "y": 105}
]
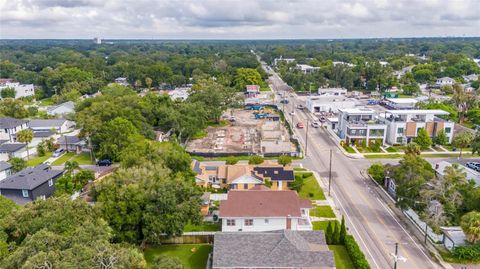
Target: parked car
[
  {"x": 104, "y": 162},
  {"x": 473, "y": 165},
  {"x": 58, "y": 152},
  {"x": 300, "y": 125},
  {"x": 315, "y": 124}
]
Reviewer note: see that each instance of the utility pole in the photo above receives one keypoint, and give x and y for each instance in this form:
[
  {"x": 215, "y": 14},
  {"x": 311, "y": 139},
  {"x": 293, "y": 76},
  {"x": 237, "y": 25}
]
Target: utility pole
[
  {"x": 293, "y": 112},
  {"x": 426, "y": 232},
  {"x": 330, "y": 174},
  {"x": 306, "y": 140},
  {"x": 396, "y": 256}
]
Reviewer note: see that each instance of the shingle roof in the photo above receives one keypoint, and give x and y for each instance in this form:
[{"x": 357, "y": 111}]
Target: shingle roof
[
  {"x": 275, "y": 173},
  {"x": 46, "y": 123},
  {"x": 4, "y": 165},
  {"x": 70, "y": 140},
  {"x": 43, "y": 133},
  {"x": 11, "y": 147},
  {"x": 278, "y": 249},
  {"x": 262, "y": 203},
  {"x": 8, "y": 123},
  {"x": 29, "y": 178}
]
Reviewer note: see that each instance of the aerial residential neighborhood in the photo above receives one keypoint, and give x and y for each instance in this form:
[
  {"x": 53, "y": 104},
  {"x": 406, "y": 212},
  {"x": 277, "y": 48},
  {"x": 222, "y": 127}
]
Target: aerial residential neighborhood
[{"x": 240, "y": 134}]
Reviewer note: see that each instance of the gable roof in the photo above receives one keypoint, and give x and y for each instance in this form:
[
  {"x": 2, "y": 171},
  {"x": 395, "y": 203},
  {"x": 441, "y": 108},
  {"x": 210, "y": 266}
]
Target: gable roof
[
  {"x": 4, "y": 166},
  {"x": 9, "y": 123},
  {"x": 30, "y": 178},
  {"x": 275, "y": 173},
  {"x": 71, "y": 140},
  {"x": 43, "y": 133},
  {"x": 67, "y": 105},
  {"x": 46, "y": 123},
  {"x": 262, "y": 203},
  {"x": 279, "y": 249},
  {"x": 11, "y": 147}
]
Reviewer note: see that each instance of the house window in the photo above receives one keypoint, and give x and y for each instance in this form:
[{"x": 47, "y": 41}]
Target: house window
[
  {"x": 50, "y": 182},
  {"x": 400, "y": 130},
  {"x": 245, "y": 186},
  {"x": 25, "y": 193},
  {"x": 266, "y": 221},
  {"x": 248, "y": 222},
  {"x": 230, "y": 222},
  {"x": 224, "y": 181},
  {"x": 448, "y": 130},
  {"x": 400, "y": 140}
]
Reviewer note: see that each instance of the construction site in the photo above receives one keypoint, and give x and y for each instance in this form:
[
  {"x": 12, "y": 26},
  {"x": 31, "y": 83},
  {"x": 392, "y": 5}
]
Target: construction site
[{"x": 255, "y": 130}]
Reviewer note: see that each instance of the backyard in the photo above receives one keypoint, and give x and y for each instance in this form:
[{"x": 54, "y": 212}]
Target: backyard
[
  {"x": 193, "y": 256},
  {"x": 203, "y": 227},
  {"x": 342, "y": 259}
]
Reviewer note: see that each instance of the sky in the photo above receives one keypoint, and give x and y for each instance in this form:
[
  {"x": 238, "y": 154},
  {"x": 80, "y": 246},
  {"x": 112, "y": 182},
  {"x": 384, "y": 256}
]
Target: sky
[{"x": 237, "y": 19}]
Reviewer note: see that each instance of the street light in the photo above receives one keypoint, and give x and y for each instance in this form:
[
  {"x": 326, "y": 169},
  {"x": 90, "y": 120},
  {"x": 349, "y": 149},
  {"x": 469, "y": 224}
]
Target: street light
[
  {"x": 397, "y": 257},
  {"x": 306, "y": 139}
]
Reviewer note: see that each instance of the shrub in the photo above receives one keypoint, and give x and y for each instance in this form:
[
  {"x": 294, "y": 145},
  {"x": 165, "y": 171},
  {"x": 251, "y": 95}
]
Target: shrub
[
  {"x": 284, "y": 160},
  {"x": 231, "y": 160},
  {"x": 356, "y": 255},
  {"x": 41, "y": 150},
  {"x": 468, "y": 253},
  {"x": 297, "y": 183},
  {"x": 377, "y": 171},
  {"x": 255, "y": 159}
]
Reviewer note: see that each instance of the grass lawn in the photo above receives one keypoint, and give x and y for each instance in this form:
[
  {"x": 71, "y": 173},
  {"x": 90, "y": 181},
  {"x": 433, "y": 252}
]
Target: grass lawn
[
  {"x": 203, "y": 227},
  {"x": 38, "y": 160},
  {"x": 383, "y": 156},
  {"x": 450, "y": 148},
  {"x": 82, "y": 158},
  {"x": 437, "y": 148},
  {"x": 323, "y": 211},
  {"x": 221, "y": 123},
  {"x": 299, "y": 169},
  {"x": 311, "y": 189},
  {"x": 200, "y": 134},
  {"x": 65, "y": 157},
  {"x": 190, "y": 260},
  {"x": 47, "y": 102},
  {"x": 342, "y": 259},
  {"x": 349, "y": 149},
  {"x": 445, "y": 155},
  {"x": 391, "y": 149},
  {"x": 322, "y": 225}
]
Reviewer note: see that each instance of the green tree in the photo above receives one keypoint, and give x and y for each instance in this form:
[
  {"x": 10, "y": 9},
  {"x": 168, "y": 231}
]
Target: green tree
[
  {"x": 377, "y": 171},
  {"x": 423, "y": 139},
  {"x": 463, "y": 140},
  {"x": 411, "y": 89},
  {"x": 412, "y": 148},
  {"x": 231, "y": 160},
  {"x": 166, "y": 262},
  {"x": 14, "y": 108},
  {"x": 476, "y": 144},
  {"x": 25, "y": 136},
  {"x": 8, "y": 92},
  {"x": 343, "y": 232},
  {"x": 441, "y": 138},
  {"x": 148, "y": 82},
  {"x": 336, "y": 234},
  {"x": 17, "y": 164},
  {"x": 471, "y": 226},
  {"x": 329, "y": 234},
  {"x": 256, "y": 159},
  {"x": 6, "y": 207},
  {"x": 247, "y": 76},
  {"x": 285, "y": 160}
]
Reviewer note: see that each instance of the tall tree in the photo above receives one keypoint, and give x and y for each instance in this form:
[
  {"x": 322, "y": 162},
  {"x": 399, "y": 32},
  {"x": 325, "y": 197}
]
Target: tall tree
[
  {"x": 25, "y": 136},
  {"x": 462, "y": 140},
  {"x": 413, "y": 148},
  {"x": 471, "y": 226},
  {"x": 423, "y": 139}
]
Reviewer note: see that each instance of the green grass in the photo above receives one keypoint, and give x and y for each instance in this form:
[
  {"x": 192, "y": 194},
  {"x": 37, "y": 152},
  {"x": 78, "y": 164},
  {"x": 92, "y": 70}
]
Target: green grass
[
  {"x": 445, "y": 155},
  {"x": 203, "y": 227},
  {"x": 349, "y": 149},
  {"x": 190, "y": 260},
  {"x": 311, "y": 189},
  {"x": 323, "y": 211},
  {"x": 82, "y": 158},
  {"x": 299, "y": 169},
  {"x": 437, "y": 148},
  {"x": 450, "y": 148},
  {"x": 65, "y": 157},
  {"x": 323, "y": 224},
  {"x": 342, "y": 259},
  {"x": 38, "y": 160},
  {"x": 221, "y": 123},
  {"x": 383, "y": 156},
  {"x": 391, "y": 149},
  {"x": 47, "y": 102},
  {"x": 200, "y": 134}
]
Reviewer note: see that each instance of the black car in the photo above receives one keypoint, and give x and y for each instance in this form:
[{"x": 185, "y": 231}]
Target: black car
[{"x": 104, "y": 162}]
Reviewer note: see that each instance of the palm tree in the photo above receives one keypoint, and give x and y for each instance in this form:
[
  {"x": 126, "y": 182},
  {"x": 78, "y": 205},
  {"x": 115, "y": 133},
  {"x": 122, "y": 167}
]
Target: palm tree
[
  {"x": 412, "y": 148},
  {"x": 70, "y": 167},
  {"x": 25, "y": 136},
  {"x": 471, "y": 226}
]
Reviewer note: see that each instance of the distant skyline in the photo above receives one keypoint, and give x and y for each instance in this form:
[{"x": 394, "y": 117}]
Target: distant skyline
[{"x": 233, "y": 19}]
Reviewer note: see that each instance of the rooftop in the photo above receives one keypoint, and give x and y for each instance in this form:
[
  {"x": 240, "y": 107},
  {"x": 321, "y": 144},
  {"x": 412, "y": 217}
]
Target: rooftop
[
  {"x": 70, "y": 139},
  {"x": 418, "y": 112},
  {"x": 9, "y": 123},
  {"x": 29, "y": 178},
  {"x": 4, "y": 165},
  {"x": 279, "y": 249},
  {"x": 11, "y": 147},
  {"x": 402, "y": 100},
  {"x": 274, "y": 173},
  {"x": 357, "y": 111},
  {"x": 47, "y": 123}
]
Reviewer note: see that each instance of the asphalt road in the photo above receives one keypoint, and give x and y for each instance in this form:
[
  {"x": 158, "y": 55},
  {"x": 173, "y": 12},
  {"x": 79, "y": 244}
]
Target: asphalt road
[{"x": 368, "y": 218}]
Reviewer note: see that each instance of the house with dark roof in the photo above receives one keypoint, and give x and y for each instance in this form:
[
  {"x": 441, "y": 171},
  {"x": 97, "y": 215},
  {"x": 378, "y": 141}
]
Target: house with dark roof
[
  {"x": 39, "y": 136},
  {"x": 11, "y": 150},
  {"x": 59, "y": 126},
  {"x": 5, "y": 170},
  {"x": 284, "y": 249},
  {"x": 262, "y": 209},
  {"x": 30, "y": 184},
  {"x": 280, "y": 177},
  {"x": 71, "y": 143},
  {"x": 10, "y": 126}
]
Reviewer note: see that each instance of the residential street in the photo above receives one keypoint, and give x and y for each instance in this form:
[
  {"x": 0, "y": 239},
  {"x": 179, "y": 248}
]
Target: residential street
[{"x": 368, "y": 218}]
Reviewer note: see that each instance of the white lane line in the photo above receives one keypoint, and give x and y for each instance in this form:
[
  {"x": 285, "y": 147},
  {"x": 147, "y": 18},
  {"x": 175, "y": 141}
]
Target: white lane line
[{"x": 409, "y": 236}]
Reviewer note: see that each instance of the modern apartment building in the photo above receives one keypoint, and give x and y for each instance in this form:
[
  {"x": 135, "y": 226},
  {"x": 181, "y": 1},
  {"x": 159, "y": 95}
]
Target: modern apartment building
[{"x": 360, "y": 124}]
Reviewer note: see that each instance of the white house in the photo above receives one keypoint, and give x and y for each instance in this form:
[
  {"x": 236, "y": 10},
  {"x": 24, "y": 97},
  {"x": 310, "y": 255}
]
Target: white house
[
  {"x": 445, "y": 81},
  {"x": 328, "y": 103},
  {"x": 471, "y": 77},
  {"x": 261, "y": 209},
  {"x": 62, "y": 109},
  {"x": 401, "y": 103},
  {"x": 403, "y": 125},
  {"x": 383, "y": 63},
  {"x": 11, "y": 150},
  {"x": 332, "y": 91},
  {"x": 181, "y": 93},
  {"x": 10, "y": 126},
  {"x": 276, "y": 61},
  {"x": 5, "y": 170},
  {"x": 343, "y": 63},
  {"x": 306, "y": 69},
  {"x": 360, "y": 124},
  {"x": 122, "y": 81},
  {"x": 58, "y": 125},
  {"x": 21, "y": 90}
]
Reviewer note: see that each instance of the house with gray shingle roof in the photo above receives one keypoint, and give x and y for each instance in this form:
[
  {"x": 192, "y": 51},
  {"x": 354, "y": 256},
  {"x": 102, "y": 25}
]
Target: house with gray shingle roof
[
  {"x": 278, "y": 249},
  {"x": 71, "y": 143},
  {"x": 5, "y": 170},
  {"x": 58, "y": 125},
  {"x": 30, "y": 184},
  {"x": 11, "y": 150},
  {"x": 62, "y": 109},
  {"x": 10, "y": 126}
]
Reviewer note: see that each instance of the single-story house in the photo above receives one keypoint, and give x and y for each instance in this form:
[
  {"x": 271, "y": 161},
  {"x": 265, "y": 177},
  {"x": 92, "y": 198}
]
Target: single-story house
[
  {"x": 10, "y": 150},
  {"x": 10, "y": 126},
  {"x": 58, "y": 125},
  {"x": 444, "y": 81},
  {"x": 5, "y": 170},
  {"x": 284, "y": 249},
  {"x": 30, "y": 184},
  {"x": 62, "y": 109},
  {"x": 39, "y": 136},
  {"x": 71, "y": 143}
]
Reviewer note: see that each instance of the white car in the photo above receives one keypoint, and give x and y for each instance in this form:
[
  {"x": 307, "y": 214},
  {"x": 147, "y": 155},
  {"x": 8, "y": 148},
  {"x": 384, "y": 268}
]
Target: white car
[{"x": 315, "y": 124}]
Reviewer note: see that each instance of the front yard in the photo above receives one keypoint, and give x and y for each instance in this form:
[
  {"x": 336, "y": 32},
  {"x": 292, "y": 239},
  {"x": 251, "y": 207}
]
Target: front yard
[
  {"x": 323, "y": 211},
  {"x": 342, "y": 259},
  {"x": 38, "y": 160},
  {"x": 310, "y": 188},
  {"x": 65, "y": 157},
  {"x": 193, "y": 256}
]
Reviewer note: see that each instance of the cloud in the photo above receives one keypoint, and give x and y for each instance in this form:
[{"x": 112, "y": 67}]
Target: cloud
[{"x": 237, "y": 18}]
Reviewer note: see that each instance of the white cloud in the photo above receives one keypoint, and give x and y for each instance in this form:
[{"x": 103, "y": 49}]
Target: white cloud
[{"x": 237, "y": 18}]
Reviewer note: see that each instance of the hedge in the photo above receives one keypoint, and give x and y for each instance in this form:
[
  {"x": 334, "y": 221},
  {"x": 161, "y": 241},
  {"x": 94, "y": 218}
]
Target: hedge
[
  {"x": 357, "y": 256},
  {"x": 470, "y": 253}
]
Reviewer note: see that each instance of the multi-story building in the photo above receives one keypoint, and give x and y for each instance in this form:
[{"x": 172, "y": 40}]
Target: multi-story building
[
  {"x": 262, "y": 209},
  {"x": 360, "y": 124},
  {"x": 444, "y": 81},
  {"x": 10, "y": 126},
  {"x": 403, "y": 125},
  {"x": 328, "y": 103},
  {"x": 21, "y": 90}
]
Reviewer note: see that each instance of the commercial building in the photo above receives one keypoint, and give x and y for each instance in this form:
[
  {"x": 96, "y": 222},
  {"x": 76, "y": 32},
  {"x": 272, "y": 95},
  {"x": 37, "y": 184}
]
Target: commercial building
[
  {"x": 328, "y": 103},
  {"x": 332, "y": 91},
  {"x": 306, "y": 69},
  {"x": 401, "y": 103},
  {"x": 360, "y": 124}
]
